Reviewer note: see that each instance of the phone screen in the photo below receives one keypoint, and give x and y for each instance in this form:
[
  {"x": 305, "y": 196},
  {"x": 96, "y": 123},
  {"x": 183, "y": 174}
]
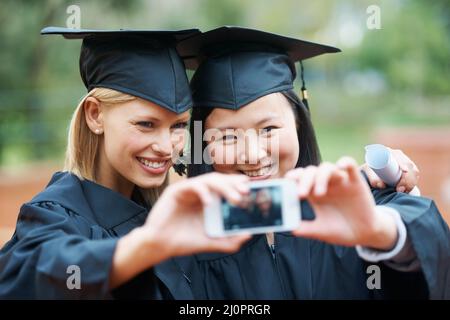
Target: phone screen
[{"x": 260, "y": 208}]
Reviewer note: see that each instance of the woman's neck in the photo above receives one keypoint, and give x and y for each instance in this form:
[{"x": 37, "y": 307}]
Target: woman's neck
[{"x": 108, "y": 177}]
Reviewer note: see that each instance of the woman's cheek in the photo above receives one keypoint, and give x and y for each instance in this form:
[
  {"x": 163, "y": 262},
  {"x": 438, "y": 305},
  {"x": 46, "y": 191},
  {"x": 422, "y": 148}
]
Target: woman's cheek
[
  {"x": 112, "y": 145},
  {"x": 272, "y": 147},
  {"x": 134, "y": 145},
  {"x": 288, "y": 152},
  {"x": 178, "y": 143},
  {"x": 224, "y": 154}
]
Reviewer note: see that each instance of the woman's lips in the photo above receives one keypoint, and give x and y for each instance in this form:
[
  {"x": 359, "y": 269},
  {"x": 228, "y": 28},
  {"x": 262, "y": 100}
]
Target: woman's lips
[
  {"x": 258, "y": 174},
  {"x": 260, "y": 177},
  {"x": 154, "y": 166}
]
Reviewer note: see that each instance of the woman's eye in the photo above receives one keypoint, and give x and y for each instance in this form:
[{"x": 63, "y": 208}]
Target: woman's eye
[
  {"x": 145, "y": 124},
  {"x": 268, "y": 129},
  {"x": 181, "y": 125},
  {"x": 229, "y": 138}
]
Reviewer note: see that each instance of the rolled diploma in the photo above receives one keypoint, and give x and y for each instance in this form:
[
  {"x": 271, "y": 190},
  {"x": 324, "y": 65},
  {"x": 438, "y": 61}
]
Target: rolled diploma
[{"x": 381, "y": 161}]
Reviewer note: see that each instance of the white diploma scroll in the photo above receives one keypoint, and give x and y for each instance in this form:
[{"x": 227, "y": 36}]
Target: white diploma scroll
[{"x": 382, "y": 162}]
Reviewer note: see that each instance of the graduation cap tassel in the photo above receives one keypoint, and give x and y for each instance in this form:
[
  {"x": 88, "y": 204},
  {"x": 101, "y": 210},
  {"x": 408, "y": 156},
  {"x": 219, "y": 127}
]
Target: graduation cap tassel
[{"x": 303, "y": 89}]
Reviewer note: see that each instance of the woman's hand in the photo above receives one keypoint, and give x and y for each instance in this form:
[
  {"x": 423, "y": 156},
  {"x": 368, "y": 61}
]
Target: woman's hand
[
  {"x": 409, "y": 178},
  {"x": 176, "y": 220},
  {"x": 175, "y": 226},
  {"x": 343, "y": 205}
]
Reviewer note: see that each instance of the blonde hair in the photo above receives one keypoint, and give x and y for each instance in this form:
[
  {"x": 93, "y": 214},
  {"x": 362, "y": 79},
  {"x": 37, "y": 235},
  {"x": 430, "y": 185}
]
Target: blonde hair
[{"x": 82, "y": 145}]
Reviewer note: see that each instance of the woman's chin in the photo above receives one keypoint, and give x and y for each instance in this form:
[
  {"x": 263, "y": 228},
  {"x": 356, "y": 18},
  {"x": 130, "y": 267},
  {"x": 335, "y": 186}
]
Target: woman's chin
[{"x": 150, "y": 182}]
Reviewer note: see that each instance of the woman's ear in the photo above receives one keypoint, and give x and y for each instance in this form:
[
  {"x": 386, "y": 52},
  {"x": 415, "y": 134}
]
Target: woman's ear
[{"x": 93, "y": 114}]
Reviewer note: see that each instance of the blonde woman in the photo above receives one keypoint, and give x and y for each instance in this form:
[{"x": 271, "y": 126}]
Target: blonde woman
[{"x": 89, "y": 234}]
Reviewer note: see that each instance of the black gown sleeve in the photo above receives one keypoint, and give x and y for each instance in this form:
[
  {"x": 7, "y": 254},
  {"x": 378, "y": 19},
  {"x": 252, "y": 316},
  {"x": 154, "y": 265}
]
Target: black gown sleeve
[
  {"x": 34, "y": 263},
  {"x": 429, "y": 235}
]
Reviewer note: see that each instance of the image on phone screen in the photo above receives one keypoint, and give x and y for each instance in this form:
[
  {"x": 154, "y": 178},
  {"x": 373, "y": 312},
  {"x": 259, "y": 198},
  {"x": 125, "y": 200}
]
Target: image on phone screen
[{"x": 260, "y": 208}]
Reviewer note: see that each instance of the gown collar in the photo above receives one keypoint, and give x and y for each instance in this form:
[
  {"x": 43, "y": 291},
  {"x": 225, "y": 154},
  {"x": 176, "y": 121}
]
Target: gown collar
[{"x": 91, "y": 200}]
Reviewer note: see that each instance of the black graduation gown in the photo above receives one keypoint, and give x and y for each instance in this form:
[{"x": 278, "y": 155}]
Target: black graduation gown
[
  {"x": 72, "y": 222},
  {"x": 77, "y": 222},
  {"x": 308, "y": 269}
]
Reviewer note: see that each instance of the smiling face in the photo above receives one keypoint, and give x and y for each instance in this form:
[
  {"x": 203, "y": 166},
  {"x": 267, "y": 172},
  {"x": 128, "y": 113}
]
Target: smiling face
[
  {"x": 139, "y": 140},
  {"x": 269, "y": 153},
  {"x": 263, "y": 201}
]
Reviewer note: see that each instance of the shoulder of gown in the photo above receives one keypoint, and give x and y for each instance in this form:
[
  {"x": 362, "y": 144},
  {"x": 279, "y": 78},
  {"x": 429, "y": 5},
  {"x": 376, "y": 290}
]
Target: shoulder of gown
[
  {"x": 429, "y": 235},
  {"x": 60, "y": 228},
  {"x": 47, "y": 244}
]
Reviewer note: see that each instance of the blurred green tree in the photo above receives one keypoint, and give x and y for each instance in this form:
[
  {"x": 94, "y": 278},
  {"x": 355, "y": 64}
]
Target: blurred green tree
[{"x": 24, "y": 72}]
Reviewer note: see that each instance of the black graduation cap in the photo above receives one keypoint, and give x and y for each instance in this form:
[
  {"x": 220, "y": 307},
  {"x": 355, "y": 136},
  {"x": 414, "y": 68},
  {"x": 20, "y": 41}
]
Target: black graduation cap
[
  {"x": 143, "y": 63},
  {"x": 237, "y": 65}
]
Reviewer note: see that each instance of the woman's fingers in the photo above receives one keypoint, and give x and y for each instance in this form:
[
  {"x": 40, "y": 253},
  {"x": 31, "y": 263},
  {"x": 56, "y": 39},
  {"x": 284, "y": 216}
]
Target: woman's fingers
[
  {"x": 306, "y": 181},
  {"x": 404, "y": 161},
  {"x": 410, "y": 172},
  {"x": 409, "y": 178},
  {"x": 374, "y": 180},
  {"x": 326, "y": 174},
  {"x": 304, "y": 178},
  {"x": 230, "y": 187},
  {"x": 309, "y": 229},
  {"x": 406, "y": 183},
  {"x": 202, "y": 192},
  {"x": 321, "y": 180},
  {"x": 349, "y": 164},
  {"x": 315, "y": 180}
]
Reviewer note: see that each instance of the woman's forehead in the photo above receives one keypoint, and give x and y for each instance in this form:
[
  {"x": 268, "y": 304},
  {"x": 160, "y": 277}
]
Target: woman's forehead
[
  {"x": 144, "y": 108},
  {"x": 271, "y": 106}
]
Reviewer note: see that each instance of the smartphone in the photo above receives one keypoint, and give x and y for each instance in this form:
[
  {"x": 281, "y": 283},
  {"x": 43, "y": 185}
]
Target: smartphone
[{"x": 271, "y": 206}]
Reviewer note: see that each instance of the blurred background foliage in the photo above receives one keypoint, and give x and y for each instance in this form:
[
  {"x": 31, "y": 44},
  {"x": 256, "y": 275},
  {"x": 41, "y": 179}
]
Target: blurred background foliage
[{"x": 395, "y": 76}]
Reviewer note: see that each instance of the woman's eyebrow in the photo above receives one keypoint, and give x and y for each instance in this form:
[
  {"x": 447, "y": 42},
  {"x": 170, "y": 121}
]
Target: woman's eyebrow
[
  {"x": 267, "y": 119},
  {"x": 155, "y": 119},
  {"x": 226, "y": 128},
  {"x": 258, "y": 123},
  {"x": 184, "y": 118},
  {"x": 147, "y": 118}
]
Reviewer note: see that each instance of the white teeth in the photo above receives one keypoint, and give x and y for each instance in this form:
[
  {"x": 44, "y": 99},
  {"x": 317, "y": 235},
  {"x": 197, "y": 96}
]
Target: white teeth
[
  {"x": 260, "y": 172},
  {"x": 152, "y": 164}
]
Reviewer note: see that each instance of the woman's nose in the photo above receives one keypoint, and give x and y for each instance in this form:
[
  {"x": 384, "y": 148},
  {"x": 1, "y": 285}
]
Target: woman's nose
[
  {"x": 163, "y": 143},
  {"x": 254, "y": 151}
]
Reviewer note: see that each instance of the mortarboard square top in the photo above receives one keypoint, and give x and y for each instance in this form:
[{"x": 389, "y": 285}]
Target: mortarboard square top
[
  {"x": 237, "y": 65},
  {"x": 143, "y": 63}
]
